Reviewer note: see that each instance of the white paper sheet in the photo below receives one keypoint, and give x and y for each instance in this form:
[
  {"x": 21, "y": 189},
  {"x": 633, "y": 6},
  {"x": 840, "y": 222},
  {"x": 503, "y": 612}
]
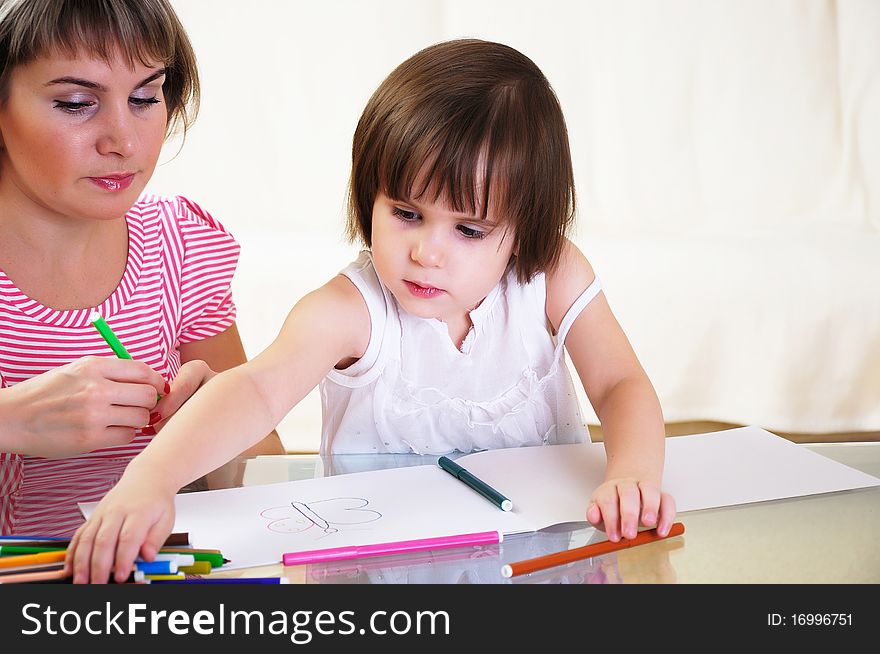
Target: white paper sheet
[
  {"x": 702, "y": 471},
  {"x": 255, "y": 525}
]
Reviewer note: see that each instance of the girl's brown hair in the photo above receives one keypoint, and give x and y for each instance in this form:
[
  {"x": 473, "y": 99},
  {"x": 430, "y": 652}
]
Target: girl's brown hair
[
  {"x": 146, "y": 31},
  {"x": 467, "y": 120}
]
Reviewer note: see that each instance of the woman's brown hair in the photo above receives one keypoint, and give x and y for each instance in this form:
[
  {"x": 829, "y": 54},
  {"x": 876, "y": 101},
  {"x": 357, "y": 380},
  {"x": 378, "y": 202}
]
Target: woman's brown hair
[{"x": 146, "y": 31}]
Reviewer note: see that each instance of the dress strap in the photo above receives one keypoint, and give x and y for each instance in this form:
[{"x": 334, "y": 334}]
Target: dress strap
[
  {"x": 362, "y": 274},
  {"x": 575, "y": 309}
]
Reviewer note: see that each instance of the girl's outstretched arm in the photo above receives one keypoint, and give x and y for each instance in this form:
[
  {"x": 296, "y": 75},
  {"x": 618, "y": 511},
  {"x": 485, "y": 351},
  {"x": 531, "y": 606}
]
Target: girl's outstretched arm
[
  {"x": 220, "y": 352},
  {"x": 624, "y": 401},
  {"x": 231, "y": 412}
]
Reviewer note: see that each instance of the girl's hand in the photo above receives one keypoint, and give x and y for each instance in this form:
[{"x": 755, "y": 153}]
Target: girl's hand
[
  {"x": 132, "y": 520},
  {"x": 191, "y": 376},
  {"x": 85, "y": 405},
  {"x": 618, "y": 506}
]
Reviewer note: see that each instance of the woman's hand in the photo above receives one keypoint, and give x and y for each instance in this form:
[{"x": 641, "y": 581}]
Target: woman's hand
[
  {"x": 618, "y": 506},
  {"x": 88, "y": 404}
]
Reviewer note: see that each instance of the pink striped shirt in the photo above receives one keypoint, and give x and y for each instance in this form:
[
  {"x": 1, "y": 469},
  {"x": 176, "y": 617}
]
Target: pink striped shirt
[{"x": 175, "y": 290}]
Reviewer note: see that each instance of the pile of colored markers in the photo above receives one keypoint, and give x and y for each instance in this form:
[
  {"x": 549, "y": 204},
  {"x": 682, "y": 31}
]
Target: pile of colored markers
[{"x": 36, "y": 559}]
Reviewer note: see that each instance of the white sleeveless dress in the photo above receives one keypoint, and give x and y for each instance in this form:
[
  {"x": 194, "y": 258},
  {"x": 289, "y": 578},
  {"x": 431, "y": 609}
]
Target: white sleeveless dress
[{"x": 413, "y": 392}]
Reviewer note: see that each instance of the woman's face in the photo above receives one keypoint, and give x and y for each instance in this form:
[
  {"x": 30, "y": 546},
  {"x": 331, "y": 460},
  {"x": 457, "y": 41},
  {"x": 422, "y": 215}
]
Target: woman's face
[{"x": 80, "y": 137}]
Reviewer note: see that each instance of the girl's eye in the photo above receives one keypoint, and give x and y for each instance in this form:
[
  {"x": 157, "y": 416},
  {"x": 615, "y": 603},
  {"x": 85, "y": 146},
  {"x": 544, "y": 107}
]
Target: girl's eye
[
  {"x": 73, "y": 107},
  {"x": 405, "y": 215},
  {"x": 470, "y": 232}
]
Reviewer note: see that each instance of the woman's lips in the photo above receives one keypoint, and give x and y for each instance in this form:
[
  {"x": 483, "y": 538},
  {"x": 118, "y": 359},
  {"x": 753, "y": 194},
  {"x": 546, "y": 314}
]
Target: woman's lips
[{"x": 114, "y": 182}]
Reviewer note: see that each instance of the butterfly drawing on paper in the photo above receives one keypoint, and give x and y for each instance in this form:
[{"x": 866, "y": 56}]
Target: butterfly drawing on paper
[{"x": 327, "y": 515}]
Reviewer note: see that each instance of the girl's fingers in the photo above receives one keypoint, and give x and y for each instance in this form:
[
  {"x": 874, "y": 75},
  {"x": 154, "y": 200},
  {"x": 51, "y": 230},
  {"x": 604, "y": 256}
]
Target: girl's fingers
[
  {"x": 630, "y": 508},
  {"x": 594, "y": 516},
  {"x": 157, "y": 535},
  {"x": 189, "y": 379},
  {"x": 80, "y": 551},
  {"x": 609, "y": 505},
  {"x": 130, "y": 537},
  {"x": 667, "y": 514},
  {"x": 650, "y": 504},
  {"x": 71, "y": 553},
  {"x": 103, "y": 552}
]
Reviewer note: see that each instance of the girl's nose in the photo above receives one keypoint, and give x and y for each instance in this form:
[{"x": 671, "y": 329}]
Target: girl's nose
[{"x": 428, "y": 252}]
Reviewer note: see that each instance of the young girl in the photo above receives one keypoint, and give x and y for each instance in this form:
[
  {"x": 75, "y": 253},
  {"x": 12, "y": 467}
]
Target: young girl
[
  {"x": 89, "y": 89},
  {"x": 448, "y": 332}
]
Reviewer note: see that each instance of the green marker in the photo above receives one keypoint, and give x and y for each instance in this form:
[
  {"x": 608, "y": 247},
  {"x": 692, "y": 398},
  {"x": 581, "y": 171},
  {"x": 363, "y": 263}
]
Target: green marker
[
  {"x": 111, "y": 338},
  {"x": 475, "y": 482},
  {"x": 15, "y": 550},
  {"x": 105, "y": 331}
]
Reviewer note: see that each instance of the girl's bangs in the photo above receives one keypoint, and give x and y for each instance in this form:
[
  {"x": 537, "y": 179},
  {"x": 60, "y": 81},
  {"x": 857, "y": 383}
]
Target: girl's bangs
[{"x": 455, "y": 168}]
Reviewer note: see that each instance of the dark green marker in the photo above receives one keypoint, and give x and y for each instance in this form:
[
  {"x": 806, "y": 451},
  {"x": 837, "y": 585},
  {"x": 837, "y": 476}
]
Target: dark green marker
[{"x": 477, "y": 484}]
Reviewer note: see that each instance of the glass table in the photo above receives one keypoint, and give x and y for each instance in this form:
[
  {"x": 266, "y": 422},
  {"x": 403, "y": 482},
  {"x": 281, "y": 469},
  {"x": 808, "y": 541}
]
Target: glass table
[{"x": 828, "y": 538}]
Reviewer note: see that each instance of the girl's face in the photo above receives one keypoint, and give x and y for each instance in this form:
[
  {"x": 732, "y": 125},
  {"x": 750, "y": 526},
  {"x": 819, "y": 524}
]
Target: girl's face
[
  {"x": 80, "y": 137},
  {"x": 437, "y": 263}
]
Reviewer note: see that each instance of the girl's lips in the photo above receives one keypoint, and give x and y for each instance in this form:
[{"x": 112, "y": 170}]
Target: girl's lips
[
  {"x": 114, "y": 182},
  {"x": 422, "y": 291}
]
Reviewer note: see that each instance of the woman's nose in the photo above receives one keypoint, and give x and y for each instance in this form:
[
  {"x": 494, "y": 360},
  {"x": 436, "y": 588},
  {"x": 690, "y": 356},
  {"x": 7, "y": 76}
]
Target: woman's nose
[{"x": 118, "y": 135}]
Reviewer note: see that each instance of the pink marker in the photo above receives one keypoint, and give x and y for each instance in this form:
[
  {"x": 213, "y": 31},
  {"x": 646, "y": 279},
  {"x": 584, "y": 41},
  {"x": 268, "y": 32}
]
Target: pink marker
[{"x": 399, "y": 547}]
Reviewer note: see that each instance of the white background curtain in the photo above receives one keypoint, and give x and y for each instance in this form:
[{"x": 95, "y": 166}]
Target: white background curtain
[{"x": 726, "y": 152}]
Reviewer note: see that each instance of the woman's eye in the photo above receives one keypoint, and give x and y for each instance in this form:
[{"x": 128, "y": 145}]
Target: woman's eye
[
  {"x": 405, "y": 215},
  {"x": 144, "y": 102},
  {"x": 72, "y": 107},
  {"x": 470, "y": 232}
]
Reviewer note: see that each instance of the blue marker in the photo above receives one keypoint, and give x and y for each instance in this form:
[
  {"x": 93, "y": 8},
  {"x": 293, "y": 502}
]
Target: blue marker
[{"x": 156, "y": 567}]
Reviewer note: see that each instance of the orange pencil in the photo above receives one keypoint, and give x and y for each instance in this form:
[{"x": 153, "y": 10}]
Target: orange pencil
[
  {"x": 33, "y": 567},
  {"x": 27, "y": 559},
  {"x": 30, "y": 577},
  {"x": 586, "y": 552},
  {"x": 59, "y": 575}
]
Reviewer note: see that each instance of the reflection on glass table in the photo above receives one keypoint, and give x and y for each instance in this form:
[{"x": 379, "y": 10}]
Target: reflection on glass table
[
  {"x": 828, "y": 538},
  {"x": 480, "y": 565}
]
